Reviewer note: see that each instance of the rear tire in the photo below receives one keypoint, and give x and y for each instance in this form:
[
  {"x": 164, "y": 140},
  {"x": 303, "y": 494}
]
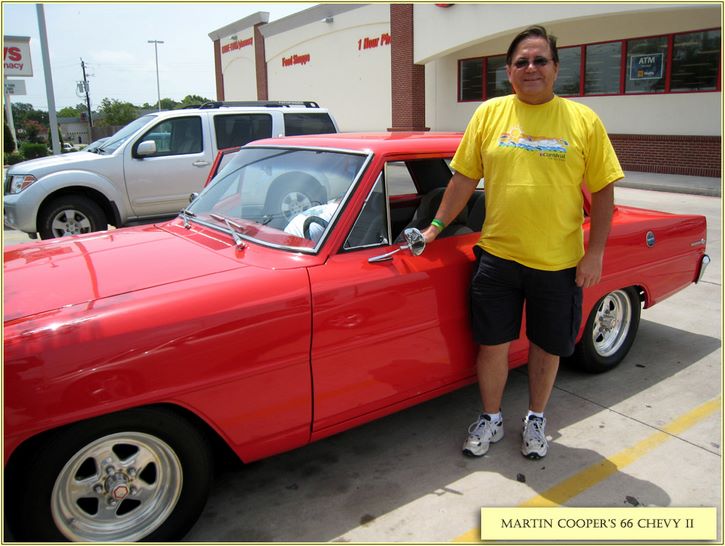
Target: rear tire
[
  {"x": 70, "y": 215},
  {"x": 143, "y": 474},
  {"x": 609, "y": 332}
]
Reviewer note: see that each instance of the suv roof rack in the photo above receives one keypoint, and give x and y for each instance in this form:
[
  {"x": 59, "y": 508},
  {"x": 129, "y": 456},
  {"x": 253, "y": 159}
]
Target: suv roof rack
[{"x": 261, "y": 103}]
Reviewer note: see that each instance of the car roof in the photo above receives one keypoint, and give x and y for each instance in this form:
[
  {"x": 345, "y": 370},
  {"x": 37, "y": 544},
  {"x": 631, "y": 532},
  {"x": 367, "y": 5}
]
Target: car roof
[{"x": 383, "y": 142}]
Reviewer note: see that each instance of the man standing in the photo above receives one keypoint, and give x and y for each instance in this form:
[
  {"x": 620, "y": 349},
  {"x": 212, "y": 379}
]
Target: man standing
[{"x": 534, "y": 151}]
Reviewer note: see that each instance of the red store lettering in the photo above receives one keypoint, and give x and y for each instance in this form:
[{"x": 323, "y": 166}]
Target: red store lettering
[{"x": 296, "y": 59}]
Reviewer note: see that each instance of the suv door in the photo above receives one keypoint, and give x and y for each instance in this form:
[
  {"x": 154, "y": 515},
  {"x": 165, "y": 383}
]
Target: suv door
[{"x": 160, "y": 184}]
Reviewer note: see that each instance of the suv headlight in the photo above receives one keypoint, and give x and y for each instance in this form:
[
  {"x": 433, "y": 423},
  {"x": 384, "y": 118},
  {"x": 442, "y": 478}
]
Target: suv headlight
[{"x": 19, "y": 182}]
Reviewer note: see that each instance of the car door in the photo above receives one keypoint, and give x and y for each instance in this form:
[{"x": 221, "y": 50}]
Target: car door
[
  {"x": 160, "y": 184},
  {"x": 386, "y": 332}
]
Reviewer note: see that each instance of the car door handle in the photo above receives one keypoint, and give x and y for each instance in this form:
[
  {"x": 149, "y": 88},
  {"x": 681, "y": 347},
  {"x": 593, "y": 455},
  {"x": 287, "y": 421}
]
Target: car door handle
[{"x": 200, "y": 163}]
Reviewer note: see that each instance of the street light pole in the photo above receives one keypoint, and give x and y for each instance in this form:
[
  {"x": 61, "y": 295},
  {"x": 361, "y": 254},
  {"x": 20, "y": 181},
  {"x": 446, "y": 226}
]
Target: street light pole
[{"x": 156, "y": 53}]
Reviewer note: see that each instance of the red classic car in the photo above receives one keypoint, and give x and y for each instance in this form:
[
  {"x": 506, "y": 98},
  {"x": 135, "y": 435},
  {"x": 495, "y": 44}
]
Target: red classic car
[{"x": 274, "y": 311}]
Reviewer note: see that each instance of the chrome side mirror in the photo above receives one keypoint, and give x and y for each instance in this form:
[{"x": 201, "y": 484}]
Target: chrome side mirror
[
  {"x": 147, "y": 147},
  {"x": 415, "y": 243}
]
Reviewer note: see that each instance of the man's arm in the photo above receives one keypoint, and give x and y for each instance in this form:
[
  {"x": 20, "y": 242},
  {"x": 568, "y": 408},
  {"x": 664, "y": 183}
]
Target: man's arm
[
  {"x": 459, "y": 190},
  {"x": 589, "y": 269}
]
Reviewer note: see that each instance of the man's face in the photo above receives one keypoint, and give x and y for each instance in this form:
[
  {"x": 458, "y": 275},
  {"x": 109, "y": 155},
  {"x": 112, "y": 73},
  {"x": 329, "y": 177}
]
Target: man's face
[{"x": 533, "y": 72}]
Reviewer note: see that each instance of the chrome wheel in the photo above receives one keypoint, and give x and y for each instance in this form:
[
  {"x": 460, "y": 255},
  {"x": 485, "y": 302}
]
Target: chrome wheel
[
  {"x": 294, "y": 203},
  {"x": 611, "y": 323},
  {"x": 119, "y": 487},
  {"x": 70, "y": 222}
]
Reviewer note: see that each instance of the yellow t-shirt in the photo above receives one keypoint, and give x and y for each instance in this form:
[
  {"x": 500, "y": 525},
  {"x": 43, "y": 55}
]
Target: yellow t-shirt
[{"x": 533, "y": 159}]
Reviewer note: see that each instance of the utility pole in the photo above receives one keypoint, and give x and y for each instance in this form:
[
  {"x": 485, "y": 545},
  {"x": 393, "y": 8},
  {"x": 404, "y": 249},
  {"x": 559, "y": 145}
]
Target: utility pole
[
  {"x": 156, "y": 52},
  {"x": 88, "y": 100}
]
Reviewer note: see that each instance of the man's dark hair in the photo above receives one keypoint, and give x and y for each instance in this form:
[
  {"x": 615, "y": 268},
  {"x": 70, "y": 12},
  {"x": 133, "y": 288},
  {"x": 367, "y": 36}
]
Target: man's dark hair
[{"x": 535, "y": 31}]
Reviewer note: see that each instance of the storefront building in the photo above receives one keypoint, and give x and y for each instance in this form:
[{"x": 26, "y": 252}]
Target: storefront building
[{"x": 652, "y": 72}]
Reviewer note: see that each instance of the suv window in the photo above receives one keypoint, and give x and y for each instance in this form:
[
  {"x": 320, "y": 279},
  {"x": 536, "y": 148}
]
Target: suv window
[
  {"x": 176, "y": 136},
  {"x": 239, "y": 129},
  {"x": 307, "y": 124}
]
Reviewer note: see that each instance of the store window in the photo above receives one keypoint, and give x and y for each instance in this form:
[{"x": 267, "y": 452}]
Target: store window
[
  {"x": 568, "y": 81},
  {"x": 602, "y": 68},
  {"x": 470, "y": 79},
  {"x": 497, "y": 81},
  {"x": 684, "y": 62},
  {"x": 695, "y": 61},
  {"x": 646, "y": 65}
]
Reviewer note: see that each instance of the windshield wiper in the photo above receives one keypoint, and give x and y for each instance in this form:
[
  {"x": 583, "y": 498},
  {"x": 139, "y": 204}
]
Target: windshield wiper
[
  {"x": 186, "y": 214},
  {"x": 234, "y": 228}
]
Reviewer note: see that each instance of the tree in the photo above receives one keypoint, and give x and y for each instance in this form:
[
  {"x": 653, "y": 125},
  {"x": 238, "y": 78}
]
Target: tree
[
  {"x": 168, "y": 104},
  {"x": 9, "y": 142},
  {"x": 197, "y": 100},
  {"x": 23, "y": 111},
  {"x": 117, "y": 112},
  {"x": 34, "y": 130},
  {"x": 72, "y": 111}
]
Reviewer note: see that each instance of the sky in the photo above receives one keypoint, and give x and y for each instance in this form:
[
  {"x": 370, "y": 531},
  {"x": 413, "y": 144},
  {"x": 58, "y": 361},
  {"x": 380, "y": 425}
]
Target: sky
[{"x": 112, "y": 40}]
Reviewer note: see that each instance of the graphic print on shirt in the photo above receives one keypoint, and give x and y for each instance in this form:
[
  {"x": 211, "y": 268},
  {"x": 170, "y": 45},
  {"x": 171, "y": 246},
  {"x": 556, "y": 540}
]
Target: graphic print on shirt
[{"x": 548, "y": 147}]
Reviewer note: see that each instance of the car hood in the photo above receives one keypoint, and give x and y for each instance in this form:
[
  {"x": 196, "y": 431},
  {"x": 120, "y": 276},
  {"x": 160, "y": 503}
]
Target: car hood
[
  {"x": 61, "y": 272},
  {"x": 43, "y": 165}
]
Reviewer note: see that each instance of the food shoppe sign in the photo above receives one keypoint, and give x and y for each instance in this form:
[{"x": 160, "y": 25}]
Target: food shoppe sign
[{"x": 16, "y": 56}]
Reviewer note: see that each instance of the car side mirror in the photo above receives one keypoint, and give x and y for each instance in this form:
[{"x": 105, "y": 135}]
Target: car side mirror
[
  {"x": 193, "y": 196},
  {"x": 415, "y": 242},
  {"x": 147, "y": 147}
]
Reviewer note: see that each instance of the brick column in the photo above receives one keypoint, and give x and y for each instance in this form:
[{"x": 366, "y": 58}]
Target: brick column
[
  {"x": 218, "y": 70},
  {"x": 260, "y": 63},
  {"x": 407, "y": 79}
]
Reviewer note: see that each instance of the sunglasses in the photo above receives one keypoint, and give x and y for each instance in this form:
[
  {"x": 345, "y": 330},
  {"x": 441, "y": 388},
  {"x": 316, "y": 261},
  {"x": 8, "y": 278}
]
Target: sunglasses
[{"x": 538, "y": 62}]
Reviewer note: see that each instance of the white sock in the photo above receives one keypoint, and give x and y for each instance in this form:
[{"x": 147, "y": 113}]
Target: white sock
[
  {"x": 495, "y": 417},
  {"x": 540, "y": 415}
]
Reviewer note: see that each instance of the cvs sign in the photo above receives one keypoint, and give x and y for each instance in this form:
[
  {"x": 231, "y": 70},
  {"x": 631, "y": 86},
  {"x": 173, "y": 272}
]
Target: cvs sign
[{"x": 16, "y": 56}]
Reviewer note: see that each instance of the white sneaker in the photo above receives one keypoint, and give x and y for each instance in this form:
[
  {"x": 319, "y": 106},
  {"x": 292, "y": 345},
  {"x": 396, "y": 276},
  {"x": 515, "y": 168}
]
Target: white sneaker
[
  {"x": 533, "y": 438},
  {"x": 481, "y": 435}
]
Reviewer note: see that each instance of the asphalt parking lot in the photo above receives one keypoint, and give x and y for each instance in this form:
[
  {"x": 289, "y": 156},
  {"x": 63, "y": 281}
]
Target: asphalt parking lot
[{"x": 645, "y": 434}]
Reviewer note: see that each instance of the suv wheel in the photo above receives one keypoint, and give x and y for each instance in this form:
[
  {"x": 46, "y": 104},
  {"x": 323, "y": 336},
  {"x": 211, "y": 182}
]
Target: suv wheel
[{"x": 70, "y": 215}]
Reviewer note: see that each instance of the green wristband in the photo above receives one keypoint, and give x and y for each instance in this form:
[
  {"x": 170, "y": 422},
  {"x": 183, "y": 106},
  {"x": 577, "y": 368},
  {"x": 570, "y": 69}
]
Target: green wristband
[{"x": 437, "y": 223}]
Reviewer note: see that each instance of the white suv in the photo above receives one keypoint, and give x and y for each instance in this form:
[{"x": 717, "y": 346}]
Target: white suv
[{"x": 147, "y": 170}]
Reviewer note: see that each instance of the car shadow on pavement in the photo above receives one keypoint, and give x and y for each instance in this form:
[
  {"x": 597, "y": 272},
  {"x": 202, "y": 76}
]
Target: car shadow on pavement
[{"x": 331, "y": 489}]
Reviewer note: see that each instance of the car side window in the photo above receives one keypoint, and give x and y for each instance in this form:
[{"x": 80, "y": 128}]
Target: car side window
[
  {"x": 233, "y": 130},
  {"x": 308, "y": 124},
  {"x": 177, "y": 136},
  {"x": 371, "y": 226}
]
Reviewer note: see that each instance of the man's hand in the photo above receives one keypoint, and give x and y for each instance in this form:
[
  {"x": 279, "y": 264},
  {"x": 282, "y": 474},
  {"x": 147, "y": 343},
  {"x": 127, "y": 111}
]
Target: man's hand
[
  {"x": 430, "y": 233},
  {"x": 589, "y": 270}
]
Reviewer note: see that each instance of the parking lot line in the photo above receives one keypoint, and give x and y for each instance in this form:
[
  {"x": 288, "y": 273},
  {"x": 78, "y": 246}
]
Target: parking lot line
[{"x": 589, "y": 477}]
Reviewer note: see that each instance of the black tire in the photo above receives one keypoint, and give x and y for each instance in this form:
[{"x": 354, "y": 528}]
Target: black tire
[
  {"x": 70, "y": 215},
  {"x": 291, "y": 194},
  {"x": 609, "y": 332},
  {"x": 143, "y": 474}
]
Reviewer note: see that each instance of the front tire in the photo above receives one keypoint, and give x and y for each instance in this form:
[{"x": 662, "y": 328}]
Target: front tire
[
  {"x": 70, "y": 215},
  {"x": 609, "y": 332},
  {"x": 143, "y": 474}
]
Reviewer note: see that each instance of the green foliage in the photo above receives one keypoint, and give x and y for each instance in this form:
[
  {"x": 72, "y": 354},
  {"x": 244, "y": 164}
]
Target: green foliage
[
  {"x": 194, "y": 100},
  {"x": 117, "y": 112},
  {"x": 72, "y": 111},
  {"x": 31, "y": 150},
  {"x": 8, "y": 141},
  {"x": 33, "y": 130},
  {"x": 168, "y": 104},
  {"x": 12, "y": 158}
]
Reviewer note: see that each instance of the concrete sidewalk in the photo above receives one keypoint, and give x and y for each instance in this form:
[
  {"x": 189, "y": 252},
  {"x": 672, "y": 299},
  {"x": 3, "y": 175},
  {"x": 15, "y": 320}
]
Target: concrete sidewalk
[{"x": 674, "y": 183}]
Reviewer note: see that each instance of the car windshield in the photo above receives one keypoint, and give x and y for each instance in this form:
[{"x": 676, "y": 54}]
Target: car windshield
[
  {"x": 282, "y": 197},
  {"x": 113, "y": 142}
]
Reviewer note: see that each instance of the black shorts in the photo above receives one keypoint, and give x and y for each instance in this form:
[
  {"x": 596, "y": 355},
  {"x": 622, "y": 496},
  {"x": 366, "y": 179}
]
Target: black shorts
[{"x": 500, "y": 288}]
